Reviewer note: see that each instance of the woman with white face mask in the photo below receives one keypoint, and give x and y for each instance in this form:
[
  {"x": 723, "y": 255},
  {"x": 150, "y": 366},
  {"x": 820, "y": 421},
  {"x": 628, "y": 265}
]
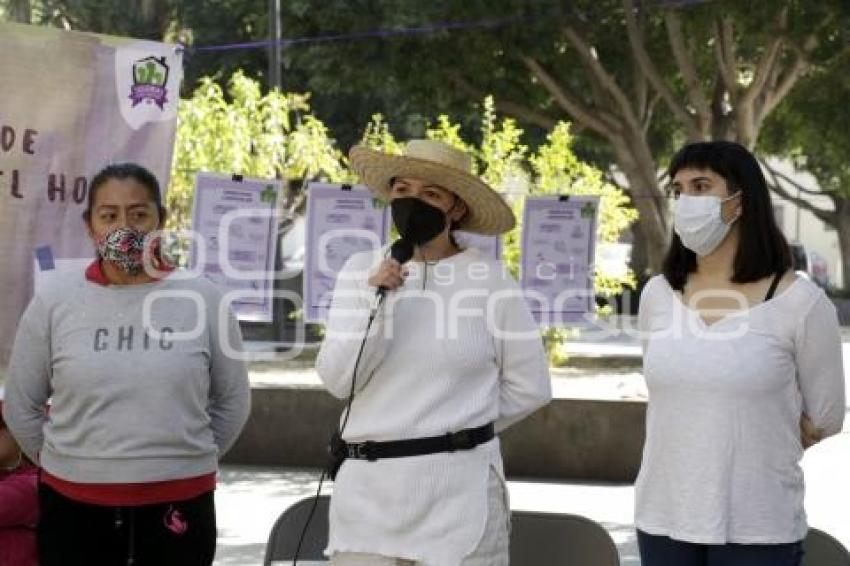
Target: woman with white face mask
[{"x": 744, "y": 369}]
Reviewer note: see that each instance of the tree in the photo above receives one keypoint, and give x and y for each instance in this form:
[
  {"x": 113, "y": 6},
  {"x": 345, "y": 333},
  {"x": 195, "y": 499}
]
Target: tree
[
  {"x": 636, "y": 79},
  {"x": 810, "y": 123},
  {"x": 224, "y": 22},
  {"x": 143, "y": 19},
  {"x": 642, "y": 78},
  {"x": 272, "y": 135},
  {"x": 19, "y": 11},
  {"x": 205, "y": 23}
]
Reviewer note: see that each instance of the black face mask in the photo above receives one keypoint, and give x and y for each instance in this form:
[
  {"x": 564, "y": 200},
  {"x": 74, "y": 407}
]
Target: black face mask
[{"x": 417, "y": 221}]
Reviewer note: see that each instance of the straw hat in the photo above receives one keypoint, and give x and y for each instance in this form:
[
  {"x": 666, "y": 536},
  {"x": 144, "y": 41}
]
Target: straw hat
[{"x": 442, "y": 165}]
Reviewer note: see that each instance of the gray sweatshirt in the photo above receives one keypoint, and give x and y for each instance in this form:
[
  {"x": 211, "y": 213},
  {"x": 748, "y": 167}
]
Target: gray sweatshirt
[{"x": 130, "y": 403}]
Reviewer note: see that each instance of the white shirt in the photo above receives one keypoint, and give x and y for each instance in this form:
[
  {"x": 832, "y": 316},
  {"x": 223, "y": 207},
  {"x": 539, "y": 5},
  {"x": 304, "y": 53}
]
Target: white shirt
[
  {"x": 722, "y": 453},
  {"x": 435, "y": 363}
]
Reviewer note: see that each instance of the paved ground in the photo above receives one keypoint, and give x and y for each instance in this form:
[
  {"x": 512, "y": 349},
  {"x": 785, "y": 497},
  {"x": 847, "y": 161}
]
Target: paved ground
[{"x": 250, "y": 499}]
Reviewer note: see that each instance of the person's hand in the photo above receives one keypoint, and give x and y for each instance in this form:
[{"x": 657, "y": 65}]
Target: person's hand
[
  {"x": 809, "y": 433},
  {"x": 389, "y": 274}
]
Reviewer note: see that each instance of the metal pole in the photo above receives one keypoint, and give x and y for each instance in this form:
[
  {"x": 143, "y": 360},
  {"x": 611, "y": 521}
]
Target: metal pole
[{"x": 274, "y": 48}]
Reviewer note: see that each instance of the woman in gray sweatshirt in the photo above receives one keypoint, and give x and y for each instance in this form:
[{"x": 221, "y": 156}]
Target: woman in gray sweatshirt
[{"x": 144, "y": 397}]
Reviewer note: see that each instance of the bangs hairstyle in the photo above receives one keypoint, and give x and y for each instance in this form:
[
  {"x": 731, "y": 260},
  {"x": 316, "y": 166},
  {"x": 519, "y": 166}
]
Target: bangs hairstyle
[{"x": 762, "y": 250}]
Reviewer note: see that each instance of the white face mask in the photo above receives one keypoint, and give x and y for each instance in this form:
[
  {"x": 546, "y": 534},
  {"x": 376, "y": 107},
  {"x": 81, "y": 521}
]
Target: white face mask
[{"x": 699, "y": 222}]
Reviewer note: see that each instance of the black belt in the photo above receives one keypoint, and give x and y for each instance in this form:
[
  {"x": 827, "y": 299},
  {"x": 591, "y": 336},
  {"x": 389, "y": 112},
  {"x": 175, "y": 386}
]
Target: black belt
[{"x": 466, "y": 439}]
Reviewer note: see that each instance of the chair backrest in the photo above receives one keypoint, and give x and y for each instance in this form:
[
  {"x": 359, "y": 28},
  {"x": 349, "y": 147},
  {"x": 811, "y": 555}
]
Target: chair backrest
[
  {"x": 821, "y": 549},
  {"x": 537, "y": 539},
  {"x": 552, "y": 539},
  {"x": 284, "y": 536}
]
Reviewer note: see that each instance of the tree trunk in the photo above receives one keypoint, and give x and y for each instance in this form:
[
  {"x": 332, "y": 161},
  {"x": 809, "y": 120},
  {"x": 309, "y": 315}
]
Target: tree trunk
[
  {"x": 20, "y": 11},
  {"x": 648, "y": 199},
  {"x": 842, "y": 227},
  {"x": 639, "y": 261},
  {"x": 653, "y": 230}
]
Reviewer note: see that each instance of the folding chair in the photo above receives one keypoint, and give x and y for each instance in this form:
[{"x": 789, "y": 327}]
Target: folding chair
[
  {"x": 283, "y": 538},
  {"x": 537, "y": 539},
  {"x": 553, "y": 539},
  {"x": 822, "y": 549}
]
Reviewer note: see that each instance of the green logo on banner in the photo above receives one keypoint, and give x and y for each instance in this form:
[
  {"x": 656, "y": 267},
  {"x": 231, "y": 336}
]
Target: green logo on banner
[
  {"x": 151, "y": 71},
  {"x": 269, "y": 194},
  {"x": 150, "y": 75},
  {"x": 588, "y": 210}
]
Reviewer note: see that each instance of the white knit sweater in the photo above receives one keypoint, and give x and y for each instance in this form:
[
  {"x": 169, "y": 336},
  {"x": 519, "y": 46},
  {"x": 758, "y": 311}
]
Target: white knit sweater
[
  {"x": 127, "y": 406},
  {"x": 437, "y": 361},
  {"x": 721, "y": 463}
]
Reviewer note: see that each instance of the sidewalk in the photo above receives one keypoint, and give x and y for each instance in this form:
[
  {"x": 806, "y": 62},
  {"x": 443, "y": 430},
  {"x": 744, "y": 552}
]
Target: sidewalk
[{"x": 249, "y": 500}]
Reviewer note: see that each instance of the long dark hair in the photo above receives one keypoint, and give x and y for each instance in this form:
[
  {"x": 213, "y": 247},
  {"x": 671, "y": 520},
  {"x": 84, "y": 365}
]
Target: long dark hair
[{"x": 762, "y": 248}]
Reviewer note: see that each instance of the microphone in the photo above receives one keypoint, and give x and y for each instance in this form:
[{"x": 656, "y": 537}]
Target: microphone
[{"x": 401, "y": 251}]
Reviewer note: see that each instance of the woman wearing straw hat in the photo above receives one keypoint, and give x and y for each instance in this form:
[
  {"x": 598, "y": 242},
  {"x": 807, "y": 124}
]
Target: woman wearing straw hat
[{"x": 451, "y": 357}]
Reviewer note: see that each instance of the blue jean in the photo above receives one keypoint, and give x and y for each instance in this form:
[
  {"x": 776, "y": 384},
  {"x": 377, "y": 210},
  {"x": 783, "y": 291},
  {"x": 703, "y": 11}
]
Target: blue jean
[{"x": 664, "y": 551}]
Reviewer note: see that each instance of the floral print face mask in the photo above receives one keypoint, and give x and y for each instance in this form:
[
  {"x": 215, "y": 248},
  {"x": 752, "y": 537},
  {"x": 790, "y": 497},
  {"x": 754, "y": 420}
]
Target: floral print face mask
[{"x": 124, "y": 247}]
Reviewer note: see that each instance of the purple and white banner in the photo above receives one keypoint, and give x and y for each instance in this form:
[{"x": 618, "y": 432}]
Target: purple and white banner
[
  {"x": 234, "y": 224},
  {"x": 341, "y": 220},
  {"x": 71, "y": 103},
  {"x": 558, "y": 247}
]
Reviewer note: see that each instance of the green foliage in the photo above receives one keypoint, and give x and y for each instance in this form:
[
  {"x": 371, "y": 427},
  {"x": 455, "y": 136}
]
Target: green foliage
[
  {"x": 554, "y": 340},
  {"x": 449, "y": 133},
  {"x": 501, "y": 150},
  {"x": 804, "y": 128},
  {"x": 377, "y": 136},
  {"x": 410, "y": 77},
  {"x": 558, "y": 171},
  {"x": 275, "y": 135},
  {"x": 141, "y": 19},
  {"x": 272, "y": 136}
]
